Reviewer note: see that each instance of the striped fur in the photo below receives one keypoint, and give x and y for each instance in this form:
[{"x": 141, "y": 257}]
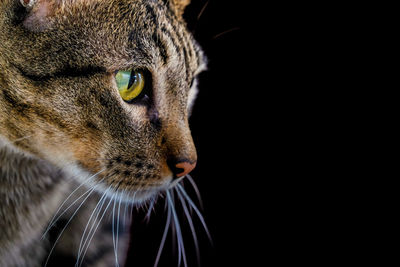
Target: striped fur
[{"x": 63, "y": 123}]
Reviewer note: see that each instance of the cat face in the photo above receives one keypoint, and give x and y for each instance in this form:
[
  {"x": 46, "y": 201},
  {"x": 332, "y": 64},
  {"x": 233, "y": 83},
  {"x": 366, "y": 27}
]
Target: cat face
[{"x": 61, "y": 98}]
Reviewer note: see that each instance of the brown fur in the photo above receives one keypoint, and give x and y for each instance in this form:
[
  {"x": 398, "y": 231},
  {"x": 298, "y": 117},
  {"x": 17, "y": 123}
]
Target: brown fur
[{"x": 60, "y": 109}]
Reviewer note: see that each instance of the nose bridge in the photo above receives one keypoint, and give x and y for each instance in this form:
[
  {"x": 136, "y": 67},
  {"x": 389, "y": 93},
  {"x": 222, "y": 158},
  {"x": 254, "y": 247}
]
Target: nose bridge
[
  {"x": 176, "y": 139},
  {"x": 179, "y": 142}
]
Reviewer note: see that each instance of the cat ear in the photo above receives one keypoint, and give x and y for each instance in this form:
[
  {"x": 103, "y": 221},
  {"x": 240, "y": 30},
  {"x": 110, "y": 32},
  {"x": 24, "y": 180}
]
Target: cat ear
[
  {"x": 27, "y": 3},
  {"x": 39, "y": 13},
  {"x": 179, "y": 6}
]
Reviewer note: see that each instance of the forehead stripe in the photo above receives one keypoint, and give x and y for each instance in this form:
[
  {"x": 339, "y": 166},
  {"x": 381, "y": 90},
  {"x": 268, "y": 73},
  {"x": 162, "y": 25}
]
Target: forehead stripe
[{"x": 162, "y": 49}]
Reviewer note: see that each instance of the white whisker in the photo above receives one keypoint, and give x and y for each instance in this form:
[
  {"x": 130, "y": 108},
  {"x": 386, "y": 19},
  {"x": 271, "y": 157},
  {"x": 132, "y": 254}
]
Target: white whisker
[
  {"x": 54, "y": 219},
  {"x": 113, "y": 230},
  {"x": 191, "y": 203},
  {"x": 130, "y": 209},
  {"x": 118, "y": 224},
  {"x": 98, "y": 207},
  {"x": 150, "y": 209},
  {"x": 72, "y": 216},
  {"x": 20, "y": 139},
  {"x": 196, "y": 189},
  {"x": 125, "y": 211},
  {"x": 132, "y": 204},
  {"x": 174, "y": 234},
  {"x": 189, "y": 219},
  {"x": 94, "y": 231},
  {"x": 181, "y": 246},
  {"x": 167, "y": 224}
]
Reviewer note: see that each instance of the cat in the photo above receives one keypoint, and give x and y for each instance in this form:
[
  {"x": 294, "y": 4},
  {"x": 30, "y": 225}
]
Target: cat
[{"x": 95, "y": 97}]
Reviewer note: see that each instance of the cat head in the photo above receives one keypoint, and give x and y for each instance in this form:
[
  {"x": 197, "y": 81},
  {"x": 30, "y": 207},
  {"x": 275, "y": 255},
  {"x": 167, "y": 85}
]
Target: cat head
[{"x": 101, "y": 88}]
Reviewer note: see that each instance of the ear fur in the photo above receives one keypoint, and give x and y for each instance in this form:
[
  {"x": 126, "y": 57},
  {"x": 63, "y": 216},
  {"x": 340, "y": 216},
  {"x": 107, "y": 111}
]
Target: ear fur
[
  {"x": 39, "y": 13},
  {"x": 179, "y": 6},
  {"x": 27, "y": 3}
]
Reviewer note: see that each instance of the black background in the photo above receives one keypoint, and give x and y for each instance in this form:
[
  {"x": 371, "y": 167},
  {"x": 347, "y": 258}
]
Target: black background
[
  {"x": 227, "y": 171},
  {"x": 272, "y": 134}
]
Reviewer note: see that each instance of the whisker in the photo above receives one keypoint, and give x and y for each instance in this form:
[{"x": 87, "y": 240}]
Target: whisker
[
  {"x": 113, "y": 229},
  {"x": 125, "y": 209},
  {"x": 166, "y": 205},
  {"x": 196, "y": 189},
  {"x": 191, "y": 203},
  {"x": 116, "y": 245},
  {"x": 72, "y": 216},
  {"x": 167, "y": 224},
  {"x": 173, "y": 239},
  {"x": 181, "y": 246},
  {"x": 202, "y": 10},
  {"x": 190, "y": 221},
  {"x": 60, "y": 215},
  {"x": 199, "y": 16},
  {"x": 225, "y": 32},
  {"x": 98, "y": 207},
  {"x": 132, "y": 204},
  {"x": 174, "y": 234},
  {"x": 54, "y": 220},
  {"x": 94, "y": 231},
  {"x": 150, "y": 209},
  {"x": 20, "y": 139}
]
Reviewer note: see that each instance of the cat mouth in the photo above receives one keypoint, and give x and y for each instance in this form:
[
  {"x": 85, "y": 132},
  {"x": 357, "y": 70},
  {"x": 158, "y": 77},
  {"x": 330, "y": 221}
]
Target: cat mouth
[
  {"x": 140, "y": 192},
  {"x": 174, "y": 182},
  {"x": 129, "y": 188},
  {"x": 144, "y": 194}
]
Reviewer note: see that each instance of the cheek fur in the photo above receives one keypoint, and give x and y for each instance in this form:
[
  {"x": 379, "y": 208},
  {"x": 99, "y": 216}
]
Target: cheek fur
[
  {"x": 87, "y": 154},
  {"x": 192, "y": 96}
]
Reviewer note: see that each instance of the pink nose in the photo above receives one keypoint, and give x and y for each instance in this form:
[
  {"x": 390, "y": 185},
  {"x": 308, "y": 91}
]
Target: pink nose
[{"x": 184, "y": 168}]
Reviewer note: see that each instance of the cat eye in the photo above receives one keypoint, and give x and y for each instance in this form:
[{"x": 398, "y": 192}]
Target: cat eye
[{"x": 130, "y": 84}]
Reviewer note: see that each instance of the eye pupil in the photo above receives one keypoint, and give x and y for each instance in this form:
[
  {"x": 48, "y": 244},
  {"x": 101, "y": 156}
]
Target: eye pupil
[{"x": 132, "y": 79}]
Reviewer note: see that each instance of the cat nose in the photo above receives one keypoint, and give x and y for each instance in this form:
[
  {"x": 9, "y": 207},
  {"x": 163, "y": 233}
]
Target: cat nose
[{"x": 182, "y": 168}]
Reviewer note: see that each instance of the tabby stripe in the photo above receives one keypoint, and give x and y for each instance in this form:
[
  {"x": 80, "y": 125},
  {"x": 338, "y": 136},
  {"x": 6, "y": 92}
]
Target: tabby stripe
[
  {"x": 168, "y": 35},
  {"x": 175, "y": 26},
  {"x": 66, "y": 72},
  {"x": 25, "y": 109},
  {"x": 181, "y": 45},
  {"x": 171, "y": 34},
  {"x": 187, "y": 65},
  {"x": 186, "y": 55},
  {"x": 15, "y": 103},
  {"x": 150, "y": 11},
  {"x": 196, "y": 51},
  {"x": 173, "y": 30},
  {"x": 187, "y": 47},
  {"x": 162, "y": 49}
]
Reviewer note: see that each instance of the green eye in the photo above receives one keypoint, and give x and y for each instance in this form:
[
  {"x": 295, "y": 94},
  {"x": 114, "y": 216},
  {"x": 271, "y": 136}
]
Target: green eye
[{"x": 130, "y": 84}]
